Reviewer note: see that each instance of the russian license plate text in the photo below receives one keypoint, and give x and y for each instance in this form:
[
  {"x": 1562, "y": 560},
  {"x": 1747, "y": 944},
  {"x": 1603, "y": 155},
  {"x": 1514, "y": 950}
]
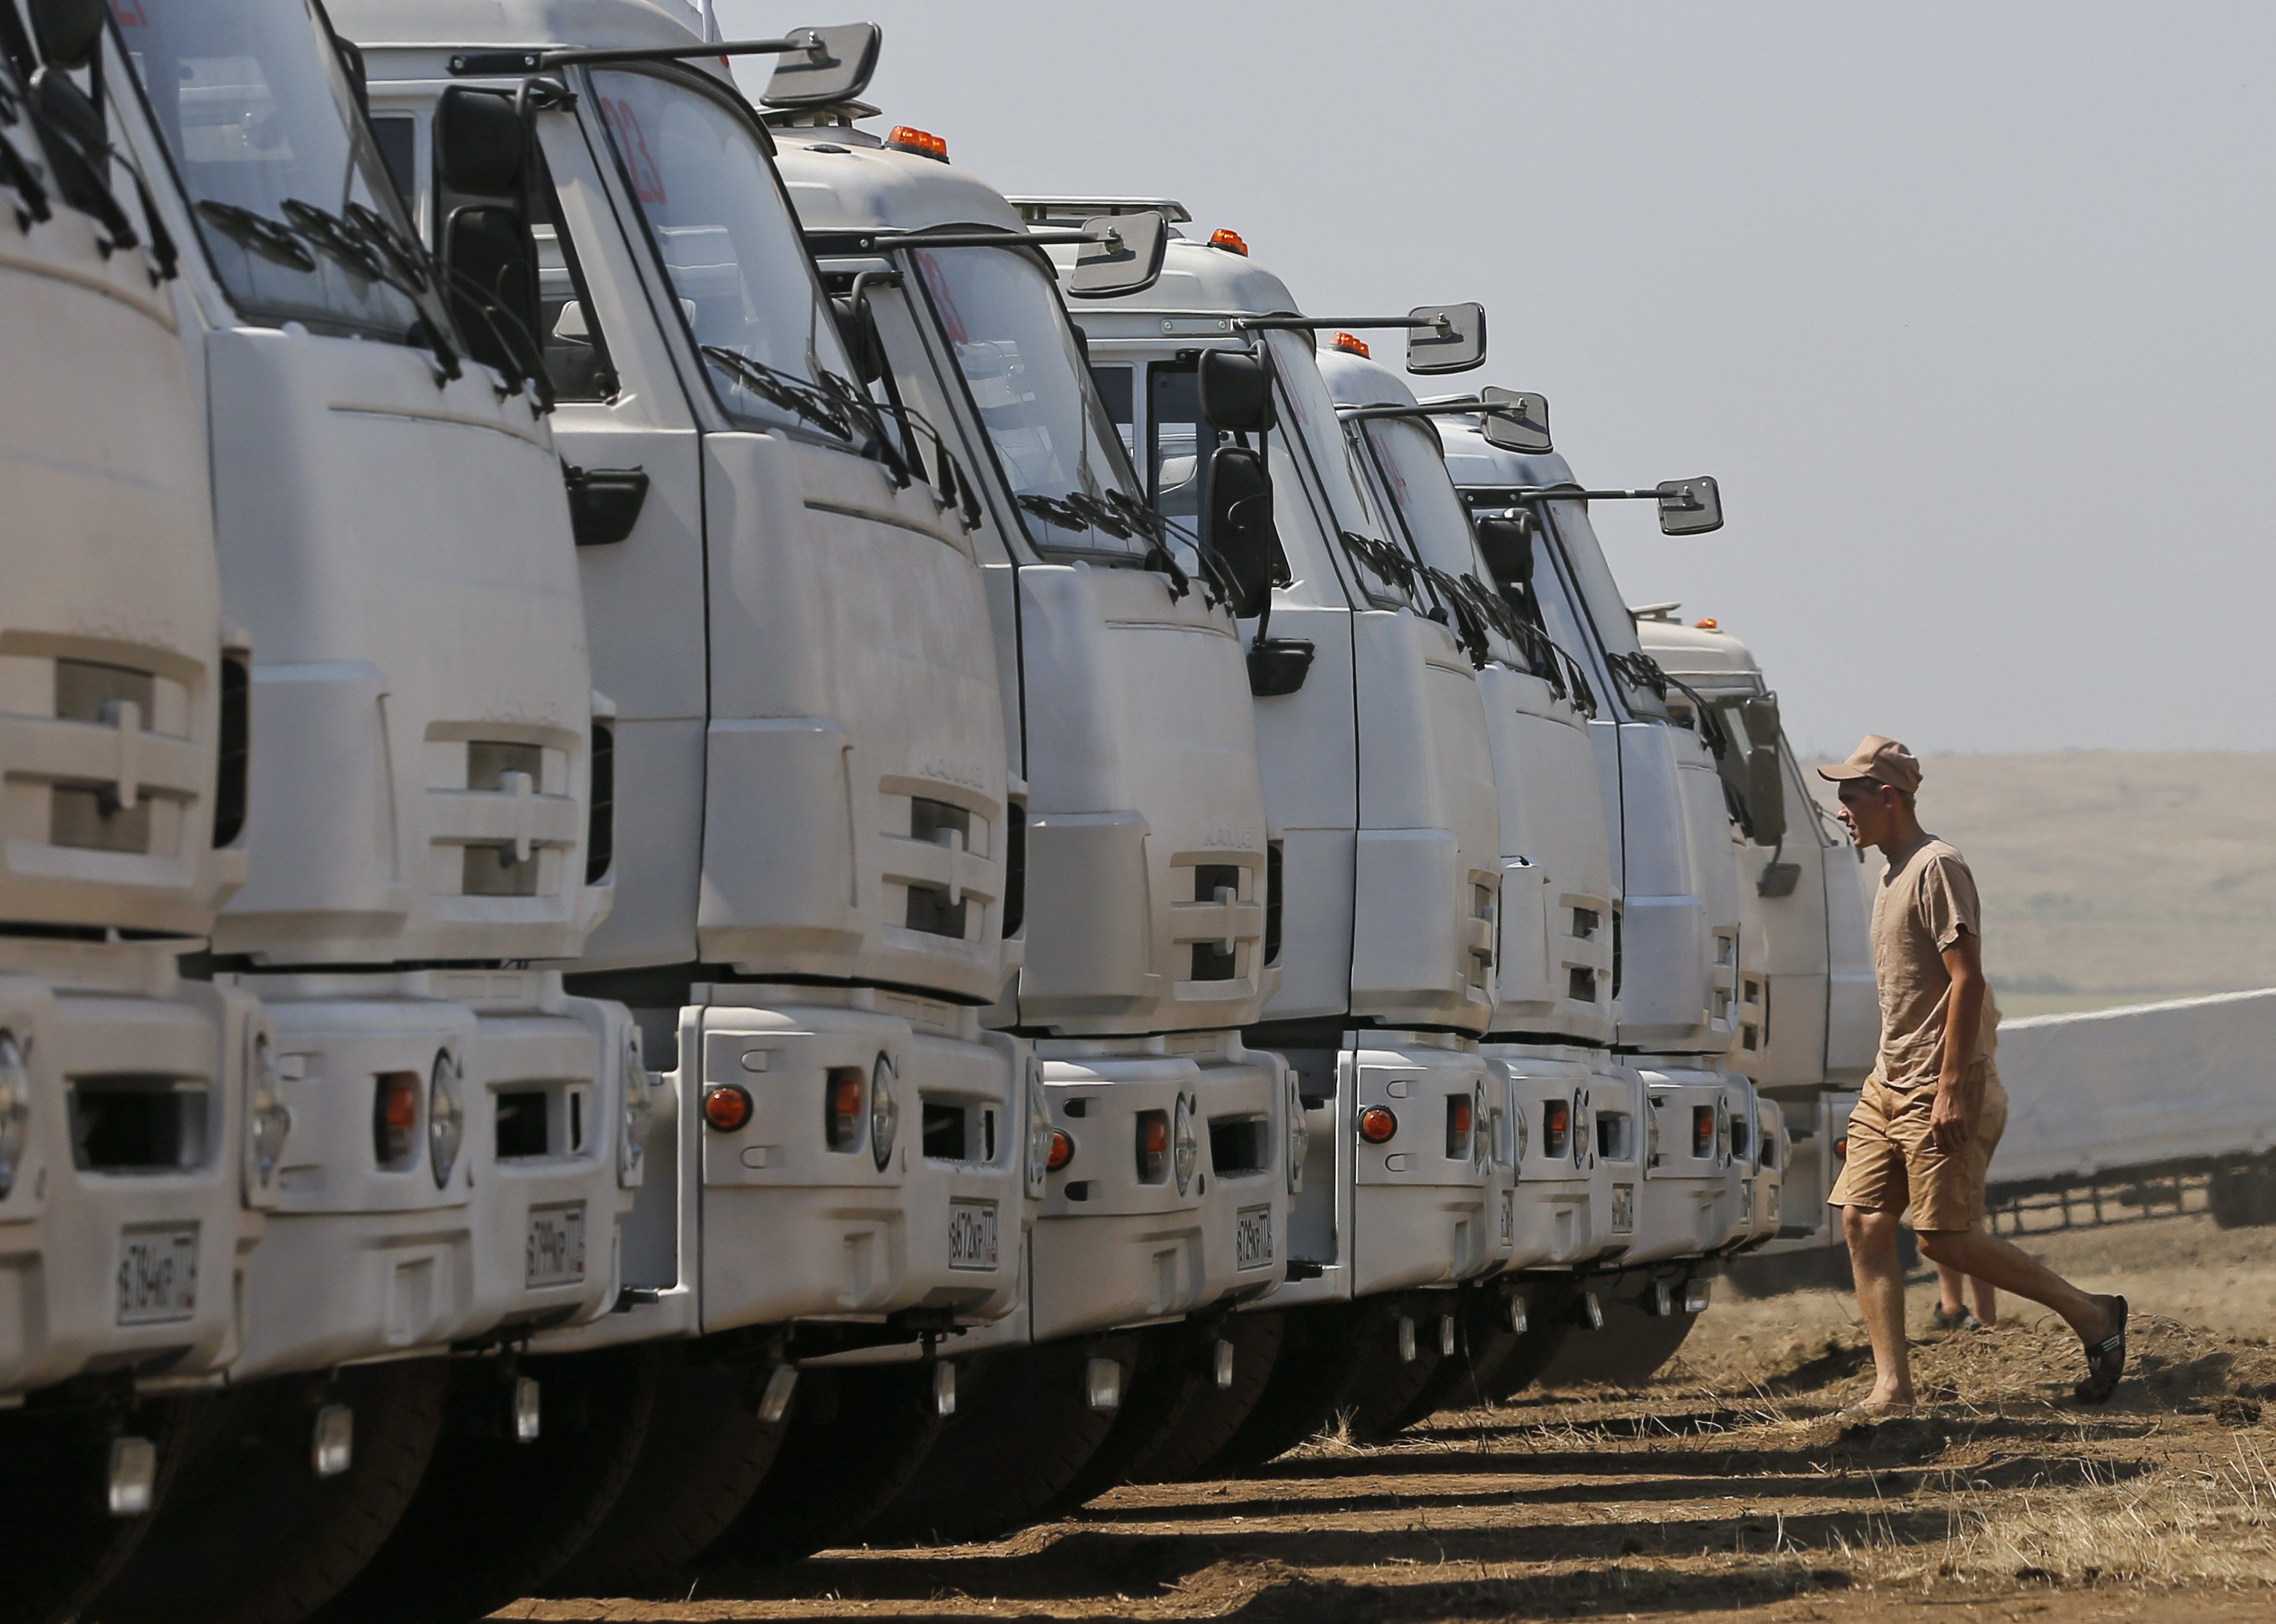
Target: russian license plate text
[
  {"x": 555, "y": 1255},
  {"x": 972, "y": 1235},
  {"x": 1623, "y": 1208},
  {"x": 1252, "y": 1237},
  {"x": 158, "y": 1275}
]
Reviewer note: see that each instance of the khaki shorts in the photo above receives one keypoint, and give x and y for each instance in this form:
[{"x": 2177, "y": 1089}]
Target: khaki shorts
[{"x": 1893, "y": 1164}]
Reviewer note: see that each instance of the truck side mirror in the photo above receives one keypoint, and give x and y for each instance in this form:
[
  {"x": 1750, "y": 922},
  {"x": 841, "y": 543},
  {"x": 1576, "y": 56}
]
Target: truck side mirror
[
  {"x": 1453, "y": 340},
  {"x": 1765, "y": 794},
  {"x": 1236, "y": 392},
  {"x": 482, "y": 149},
  {"x": 1517, "y": 420},
  {"x": 1690, "y": 506},
  {"x": 1238, "y": 527},
  {"x": 1506, "y": 545},
  {"x": 69, "y": 30},
  {"x": 1129, "y": 261},
  {"x": 836, "y": 68}
]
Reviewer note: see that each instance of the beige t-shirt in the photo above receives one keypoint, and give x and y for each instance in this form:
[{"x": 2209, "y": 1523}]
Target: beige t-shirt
[{"x": 1922, "y": 905}]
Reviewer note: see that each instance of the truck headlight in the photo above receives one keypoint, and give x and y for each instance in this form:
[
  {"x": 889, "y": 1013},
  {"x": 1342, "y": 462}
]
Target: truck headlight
[
  {"x": 446, "y": 1119},
  {"x": 885, "y": 1113},
  {"x": 1300, "y": 1135},
  {"x": 269, "y": 1118},
  {"x": 1185, "y": 1146},
  {"x": 1039, "y": 1129},
  {"x": 633, "y": 1149},
  {"x": 15, "y": 1111}
]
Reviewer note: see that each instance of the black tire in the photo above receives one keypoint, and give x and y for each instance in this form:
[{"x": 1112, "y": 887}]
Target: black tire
[
  {"x": 1483, "y": 1342},
  {"x": 855, "y": 1437},
  {"x": 1300, "y": 1395},
  {"x": 1020, "y": 1440},
  {"x": 1549, "y": 1324},
  {"x": 705, "y": 1454},
  {"x": 1175, "y": 1364},
  {"x": 494, "y": 1519},
  {"x": 1380, "y": 1386},
  {"x": 249, "y": 1533},
  {"x": 1626, "y": 1353},
  {"x": 2243, "y": 1197},
  {"x": 59, "y": 1544},
  {"x": 1183, "y": 1452}
]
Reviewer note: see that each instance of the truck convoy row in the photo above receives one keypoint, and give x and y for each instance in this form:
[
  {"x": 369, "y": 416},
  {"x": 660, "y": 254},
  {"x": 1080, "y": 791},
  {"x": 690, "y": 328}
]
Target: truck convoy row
[{"x": 714, "y": 842}]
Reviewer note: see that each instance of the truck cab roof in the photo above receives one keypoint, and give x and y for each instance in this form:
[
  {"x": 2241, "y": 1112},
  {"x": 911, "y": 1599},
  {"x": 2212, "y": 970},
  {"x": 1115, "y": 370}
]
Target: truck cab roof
[
  {"x": 844, "y": 180},
  {"x": 1704, "y": 656},
  {"x": 377, "y": 24}
]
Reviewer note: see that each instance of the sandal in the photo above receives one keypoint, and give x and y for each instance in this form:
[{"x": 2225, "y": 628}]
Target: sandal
[
  {"x": 2105, "y": 1360},
  {"x": 1945, "y": 1324}
]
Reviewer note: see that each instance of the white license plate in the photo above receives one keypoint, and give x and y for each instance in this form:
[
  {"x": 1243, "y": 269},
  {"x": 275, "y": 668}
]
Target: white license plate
[
  {"x": 158, "y": 1275},
  {"x": 1508, "y": 1217},
  {"x": 972, "y": 1235},
  {"x": 1623, "y": 1208},
  {"x": 1747, "y": 1202},
  {"x": 1252, "y": 1237},
  {"x": 555, "y": 1255}
]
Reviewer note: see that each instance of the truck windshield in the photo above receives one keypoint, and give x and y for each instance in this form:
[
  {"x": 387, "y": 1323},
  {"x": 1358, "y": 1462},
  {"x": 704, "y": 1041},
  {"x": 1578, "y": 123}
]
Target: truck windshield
[
  {"x": 1414, "y": 474},
  {"x": 1311, "y": 413},
  {"x": 292, "y": 201},
  {"x": 730, "y": 244},
  {"x": 1000, "y": 311}
]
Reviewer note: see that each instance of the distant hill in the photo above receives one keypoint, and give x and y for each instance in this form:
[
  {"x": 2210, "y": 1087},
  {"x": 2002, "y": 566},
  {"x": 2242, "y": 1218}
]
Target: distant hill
[{"x": 2115, "y": 877}]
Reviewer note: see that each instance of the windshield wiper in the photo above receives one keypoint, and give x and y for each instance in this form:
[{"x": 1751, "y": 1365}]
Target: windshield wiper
[
  {"x": 16, "y": 170},
  {"x": 792, "y": 393},
  {"x": 1051, "y": 511},
  {"x": 272, "y": 239}
]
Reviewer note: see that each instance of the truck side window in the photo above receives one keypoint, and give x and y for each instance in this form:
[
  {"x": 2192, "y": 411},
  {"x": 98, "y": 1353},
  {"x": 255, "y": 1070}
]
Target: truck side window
[
  {"x": 398, "y": 135},
  {"x": 576, "y": 353},
  {"x": 1117, "y": 392}
]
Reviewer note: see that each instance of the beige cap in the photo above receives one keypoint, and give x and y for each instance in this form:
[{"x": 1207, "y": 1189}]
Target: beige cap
[{"x": 1883, "y": 761}]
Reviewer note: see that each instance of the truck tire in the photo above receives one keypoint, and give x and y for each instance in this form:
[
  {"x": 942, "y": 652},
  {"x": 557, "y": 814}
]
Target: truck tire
[
  {"x": 1379, "y": 1385},
  {"x": 59, "y": 1544},
  {"x": 1549, "y": 1323},
  {"x": 1626, "y": 1353},
  {"x": 1175, "y": 1364},
  {"x": 1017, "y": 1443},
  {"x": 854, "y": 1437},
  {"x": 249, "y": 1533},
  {"x": 1300, "y": 1394},
  {"x": 1483, "y": 1342},
  {"x": 2243, "y": 1197},
  {"x": 1183, "y": 1452},
  {"x": 704, "y": 1456},
  {"x": 493, "y": 1519}
]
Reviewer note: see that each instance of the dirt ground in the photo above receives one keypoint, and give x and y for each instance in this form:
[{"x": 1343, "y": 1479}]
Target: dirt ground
[{"x": 1727, "y": 1487}]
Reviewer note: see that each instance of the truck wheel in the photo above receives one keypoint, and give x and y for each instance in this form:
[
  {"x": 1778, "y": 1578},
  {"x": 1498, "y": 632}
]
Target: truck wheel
[
  {"x": 1184, "y": 1450},
  {"x": 2243, "y": 1197},
  {"x": 1025, "y": 1435},
  {"x": 1176, "y": 1363},
  {"x": 59, "y": 1544},
  {"x": 1483, "y": 1342},
  {"x": 1380, "y": 1386},
  {"x": 705, "y": 1454},
  {"x": 249, "y": 1533},
  {"x": 1549, "y": 1324},
  {"x": 855, "y": 1436},
  {"x": 494, "y": 1518},
  {"x": 1299, "y": 1400},
  {"x": 1626, "y": 1353}
]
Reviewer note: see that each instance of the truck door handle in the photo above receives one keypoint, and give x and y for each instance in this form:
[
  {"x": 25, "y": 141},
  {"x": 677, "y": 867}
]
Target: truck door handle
[{"x": 604, "y": 504}]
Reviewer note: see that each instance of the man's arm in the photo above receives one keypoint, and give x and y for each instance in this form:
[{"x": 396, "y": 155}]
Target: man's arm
[{"x": 1954, "y": 1118}]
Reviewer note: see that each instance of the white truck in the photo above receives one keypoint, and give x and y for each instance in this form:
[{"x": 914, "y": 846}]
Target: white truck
[
  {"x": 1678, "y": 923},
  {"x": 438, "y": 1145},
  {"x": 817, "y": 847},
  {"x": 1149, "y": 893},
  {"x": 1379, "y": 788},
  {"x": 122, "y": 735}
]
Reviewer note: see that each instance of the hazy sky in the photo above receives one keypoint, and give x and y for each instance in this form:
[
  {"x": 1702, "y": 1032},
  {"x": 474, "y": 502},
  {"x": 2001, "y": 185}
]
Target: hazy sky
[{"x": 1968, "y": 307}]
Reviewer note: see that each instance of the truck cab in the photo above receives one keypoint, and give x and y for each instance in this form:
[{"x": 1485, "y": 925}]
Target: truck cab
[
  {"x": 817, "y": 853},
  {"x": 1680, "y": 923},
  {"x": 1821, "y": 1018},
  {"x": 1377, "y": 781},
  {"x": 1126, "y": 711},
  {"x": 1571, "y": 1112}
]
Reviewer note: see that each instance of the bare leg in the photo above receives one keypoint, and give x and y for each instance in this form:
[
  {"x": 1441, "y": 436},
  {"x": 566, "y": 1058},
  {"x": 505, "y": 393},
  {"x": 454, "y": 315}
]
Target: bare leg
[
  {"x": 1986, "y": 1300},
  {"x": 2000, "y": 1265},
  {"x": 1880, "y": 1278},
  {"x": 1950, "y": 1290}
]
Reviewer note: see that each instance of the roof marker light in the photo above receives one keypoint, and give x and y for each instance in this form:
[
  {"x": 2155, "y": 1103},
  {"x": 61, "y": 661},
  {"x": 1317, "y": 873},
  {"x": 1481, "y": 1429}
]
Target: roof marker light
[
  {"x": 923, "y": 143},
  {"x": 1707, "y": 624},
  {"x": 1351, "y": 342},
  {"x": 1229, "y": 241}
]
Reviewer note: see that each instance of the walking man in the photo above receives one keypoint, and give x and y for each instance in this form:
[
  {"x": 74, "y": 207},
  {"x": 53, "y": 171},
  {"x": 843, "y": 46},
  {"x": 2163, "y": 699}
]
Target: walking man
[{"x": 1921, "y": 1132}]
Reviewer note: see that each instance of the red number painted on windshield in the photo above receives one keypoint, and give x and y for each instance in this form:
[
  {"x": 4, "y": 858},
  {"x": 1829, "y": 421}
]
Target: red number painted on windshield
[{"x": 632, "y": 140}]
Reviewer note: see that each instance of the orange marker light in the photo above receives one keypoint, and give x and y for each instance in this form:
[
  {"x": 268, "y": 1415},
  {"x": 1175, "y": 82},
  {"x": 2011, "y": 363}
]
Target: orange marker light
[
  {"x": 1377, "y": 1124},
  {"x": 725, "y": 1107},
  {"x": 395, "y": 1117},
  {"x": 1352, "y": 343},
  {"x": 1062, "y": 1151},
  {"x": 1230, "y": 241},
  {"x": 841, "y": 1106},
  {"x": 923, "y": 143},
  {"x": 1458, "y": 1128},
  {"x": 1556, "y": 1127},
  {"x": 1702, "y": 1130},
  {"x": 1153, "y": 1146},
  {"x": 1708, "y": 624}
]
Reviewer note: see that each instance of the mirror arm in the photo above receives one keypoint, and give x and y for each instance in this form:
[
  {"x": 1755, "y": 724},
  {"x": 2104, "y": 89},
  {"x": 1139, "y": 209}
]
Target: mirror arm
[{"x": 1321, "y": 323}]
